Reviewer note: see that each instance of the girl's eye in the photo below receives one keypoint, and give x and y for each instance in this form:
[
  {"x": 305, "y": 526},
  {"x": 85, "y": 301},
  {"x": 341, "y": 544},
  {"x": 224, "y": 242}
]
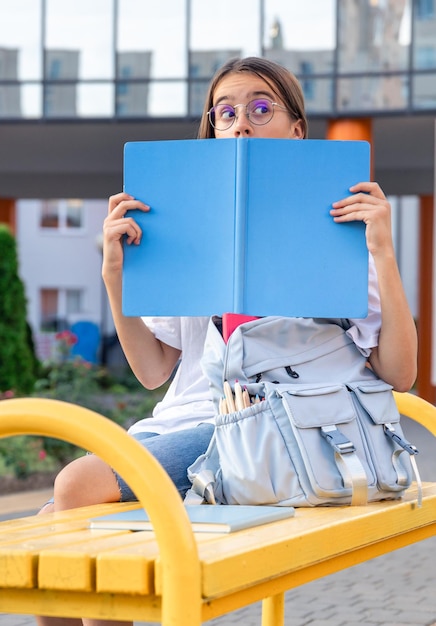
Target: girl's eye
[
  {"x": 224, "y": 112},
  {"x": 260, "y": 107}
]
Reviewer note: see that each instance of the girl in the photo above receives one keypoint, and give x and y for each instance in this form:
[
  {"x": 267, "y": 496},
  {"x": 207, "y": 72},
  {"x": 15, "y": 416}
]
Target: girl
[{"x": 252, "y": 97}]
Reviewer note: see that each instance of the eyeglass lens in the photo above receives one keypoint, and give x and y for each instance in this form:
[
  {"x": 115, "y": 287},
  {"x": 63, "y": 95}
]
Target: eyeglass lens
[{"x": 258, "y": 111}]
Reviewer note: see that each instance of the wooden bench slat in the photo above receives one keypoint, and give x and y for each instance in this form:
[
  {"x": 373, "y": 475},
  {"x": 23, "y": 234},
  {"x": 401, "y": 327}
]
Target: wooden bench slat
[
  {"x": 73, "y": 566},
  {"x": 55, "y": 565}
]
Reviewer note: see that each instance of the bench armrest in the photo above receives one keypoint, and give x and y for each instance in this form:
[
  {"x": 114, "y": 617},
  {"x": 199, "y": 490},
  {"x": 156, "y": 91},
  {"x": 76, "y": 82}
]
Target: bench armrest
[
  {"x": 417, "y": 409},
  {"x": 152, "y": 485}
]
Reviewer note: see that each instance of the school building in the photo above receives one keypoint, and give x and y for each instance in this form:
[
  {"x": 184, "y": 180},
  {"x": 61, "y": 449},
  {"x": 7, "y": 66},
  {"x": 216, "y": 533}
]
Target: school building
[{"x": 78, "y": 80}]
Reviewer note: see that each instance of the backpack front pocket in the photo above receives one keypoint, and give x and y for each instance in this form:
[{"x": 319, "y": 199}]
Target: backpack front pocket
[{"x": 334, "y": 460}]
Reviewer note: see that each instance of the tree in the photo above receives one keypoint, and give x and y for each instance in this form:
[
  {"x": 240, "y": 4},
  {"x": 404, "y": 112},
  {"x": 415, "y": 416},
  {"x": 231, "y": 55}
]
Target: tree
[{"x": 17, "y": 359}]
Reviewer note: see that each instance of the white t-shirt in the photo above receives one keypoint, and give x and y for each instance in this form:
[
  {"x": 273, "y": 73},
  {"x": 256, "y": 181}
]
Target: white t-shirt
[{"x": 187, "y": 401}]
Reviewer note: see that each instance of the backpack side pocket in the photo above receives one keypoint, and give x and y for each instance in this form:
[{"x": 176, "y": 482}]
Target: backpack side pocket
[
  {"x": 378, "y": 414},
  {"x": 255, "y": 466}
]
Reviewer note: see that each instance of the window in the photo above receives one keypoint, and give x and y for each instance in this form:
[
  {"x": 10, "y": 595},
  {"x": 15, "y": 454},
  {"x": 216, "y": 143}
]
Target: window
[
  {"x": 73, "y": 299},
  {"x": 56, "y": 305},
  {"x": 21, "y": 39},
  {"x": 74, "y": 213},
  {"x": 151, "y": 36},
  {"x": 425, "y": 9},
  {"x": 373, "y": 36},
  {"x": 55, "y": 69},
  {"x": 49, "y": 309},
  {"x": 424, "y": 43},
  {"x": 63, "y": 215},
  {"x": 306, "y": 68},
  {"x": 49, "y": 214},
  {"x": 425, "y": 57}
]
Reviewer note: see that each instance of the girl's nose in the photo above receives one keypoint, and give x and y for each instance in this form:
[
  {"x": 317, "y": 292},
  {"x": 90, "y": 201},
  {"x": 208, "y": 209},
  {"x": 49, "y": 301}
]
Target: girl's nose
[{"x": 242, "y": 126}]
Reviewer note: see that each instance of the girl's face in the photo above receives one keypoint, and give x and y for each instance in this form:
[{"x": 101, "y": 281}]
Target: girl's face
[{"x": 243, "y": 88}]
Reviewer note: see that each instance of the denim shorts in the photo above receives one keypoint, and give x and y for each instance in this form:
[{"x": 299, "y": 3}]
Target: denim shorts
[{"x": 175, "y": 451}]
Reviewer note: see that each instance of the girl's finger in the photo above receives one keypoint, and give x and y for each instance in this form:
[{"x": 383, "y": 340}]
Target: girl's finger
[
  {"x": 367, "y": 187},
  {"x": 121, "y": 203},
  {"x": 116, "y": 228}
]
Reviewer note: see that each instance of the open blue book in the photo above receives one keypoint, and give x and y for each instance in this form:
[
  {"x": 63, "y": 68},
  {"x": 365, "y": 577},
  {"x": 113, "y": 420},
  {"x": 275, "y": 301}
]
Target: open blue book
[
  {"x": 204, "y": 518},
  {"x": 243, "y": 226}
]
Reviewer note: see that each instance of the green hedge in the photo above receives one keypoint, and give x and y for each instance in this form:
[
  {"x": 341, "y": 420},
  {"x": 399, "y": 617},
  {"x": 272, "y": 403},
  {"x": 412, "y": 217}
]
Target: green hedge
[{"x": 18, "y": 365}]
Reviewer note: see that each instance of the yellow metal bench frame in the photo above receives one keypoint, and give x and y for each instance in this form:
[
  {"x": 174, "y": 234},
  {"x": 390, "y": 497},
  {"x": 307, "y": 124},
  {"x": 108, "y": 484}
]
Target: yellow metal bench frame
[{"x": 180, "y": 569}]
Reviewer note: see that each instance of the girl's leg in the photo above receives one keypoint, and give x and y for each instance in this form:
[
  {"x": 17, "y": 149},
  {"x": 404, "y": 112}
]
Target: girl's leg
[
  {"x": 175, "y": 451},
  {"x": 85, "y": 481},
  {"x": 89, "y": 480}
]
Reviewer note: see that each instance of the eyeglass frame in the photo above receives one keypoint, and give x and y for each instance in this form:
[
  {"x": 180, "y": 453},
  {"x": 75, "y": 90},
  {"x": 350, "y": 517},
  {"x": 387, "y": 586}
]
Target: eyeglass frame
[{"x": 274, "y": 104}]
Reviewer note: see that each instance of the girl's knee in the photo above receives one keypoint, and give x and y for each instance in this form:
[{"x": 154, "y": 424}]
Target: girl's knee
[
  {"x": 85, "y": 481},
  {"x": 69, "y": 486}
]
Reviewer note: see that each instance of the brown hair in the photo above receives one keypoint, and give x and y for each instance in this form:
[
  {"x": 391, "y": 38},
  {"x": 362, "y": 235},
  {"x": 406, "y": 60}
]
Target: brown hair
[{"x": 282, "y": 82}]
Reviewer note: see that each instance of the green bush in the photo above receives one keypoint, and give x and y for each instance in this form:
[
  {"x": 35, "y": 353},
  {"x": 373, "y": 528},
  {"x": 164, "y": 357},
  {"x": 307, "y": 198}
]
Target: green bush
[
  {"x": 72, "y": 379},
  {"x": 23, "y": 455},
  {"x": 17, "y": 359}
]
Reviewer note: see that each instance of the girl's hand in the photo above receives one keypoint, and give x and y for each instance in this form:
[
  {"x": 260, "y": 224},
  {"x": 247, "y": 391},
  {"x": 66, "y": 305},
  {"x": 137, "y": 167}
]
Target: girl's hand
[
  {"x": 394, "y": 358},
  {"x": 116, "y": 225},
  {"x": 368, "y": 204}
]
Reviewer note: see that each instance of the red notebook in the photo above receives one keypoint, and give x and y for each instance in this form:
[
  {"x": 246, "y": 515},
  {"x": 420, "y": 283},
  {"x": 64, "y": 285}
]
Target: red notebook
[{"x": 232, "y": 321}]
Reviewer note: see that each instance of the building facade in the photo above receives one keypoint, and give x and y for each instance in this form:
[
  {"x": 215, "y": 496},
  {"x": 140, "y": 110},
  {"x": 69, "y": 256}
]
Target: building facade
[{"x": 78, "y": 80}]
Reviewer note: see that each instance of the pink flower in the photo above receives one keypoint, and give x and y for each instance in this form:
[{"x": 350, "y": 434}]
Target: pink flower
[
  {"x": 67, "y": 337},
  {"x": 42, "y": 454},
  {"x": 6, "y": 395}
]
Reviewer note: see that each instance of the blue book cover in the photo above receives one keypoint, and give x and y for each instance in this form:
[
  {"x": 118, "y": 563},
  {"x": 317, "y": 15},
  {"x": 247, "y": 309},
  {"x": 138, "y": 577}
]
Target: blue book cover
[
  {"x": 243, "y": 226},
  {"x": 204, "y": 518}
]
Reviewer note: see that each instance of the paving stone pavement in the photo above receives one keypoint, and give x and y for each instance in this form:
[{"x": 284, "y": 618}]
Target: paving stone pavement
[{"x": 393, "y": 590}]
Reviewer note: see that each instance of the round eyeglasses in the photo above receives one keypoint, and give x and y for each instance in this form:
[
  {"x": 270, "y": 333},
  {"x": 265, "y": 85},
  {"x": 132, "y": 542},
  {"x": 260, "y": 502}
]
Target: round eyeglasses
[{"x": 259, "y": 112}]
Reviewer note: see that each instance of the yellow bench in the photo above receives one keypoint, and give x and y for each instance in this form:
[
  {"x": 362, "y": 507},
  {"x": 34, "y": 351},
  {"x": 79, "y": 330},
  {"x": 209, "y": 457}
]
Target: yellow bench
[{"x": 55, "y": 565}]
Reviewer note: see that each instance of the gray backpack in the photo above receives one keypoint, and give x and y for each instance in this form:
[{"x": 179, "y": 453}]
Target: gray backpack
[{"x": 318, "y": 428}]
